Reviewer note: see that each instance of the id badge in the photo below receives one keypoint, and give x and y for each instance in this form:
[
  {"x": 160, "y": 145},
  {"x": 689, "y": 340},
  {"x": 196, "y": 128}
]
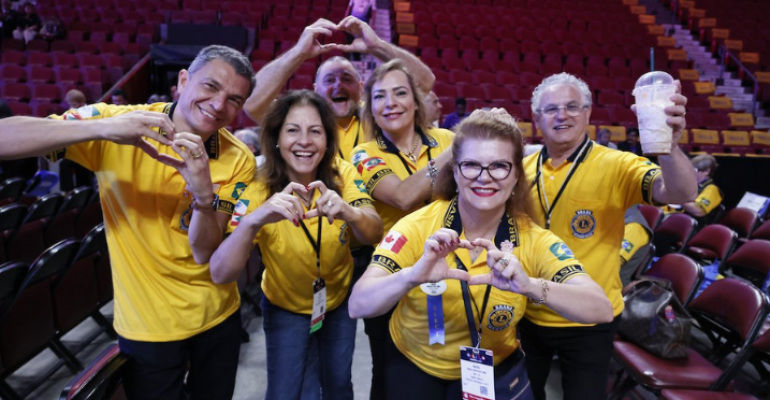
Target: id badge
[
  {"x": 319, "y": 305},
  {"x": 477, "y": 373}
]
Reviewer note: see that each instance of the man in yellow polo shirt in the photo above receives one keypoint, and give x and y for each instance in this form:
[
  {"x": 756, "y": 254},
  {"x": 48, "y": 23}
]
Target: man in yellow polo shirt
[
  {"x": 581, "y": 192},
  {"x": 635, "y": 247},
  {"x": 336, "y": 80},
  {"x": 169, "y": 176}
]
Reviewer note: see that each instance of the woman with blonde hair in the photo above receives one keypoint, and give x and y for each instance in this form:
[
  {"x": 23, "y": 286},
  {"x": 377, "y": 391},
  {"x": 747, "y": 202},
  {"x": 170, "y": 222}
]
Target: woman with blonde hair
[{"x": 460, "y": 270}]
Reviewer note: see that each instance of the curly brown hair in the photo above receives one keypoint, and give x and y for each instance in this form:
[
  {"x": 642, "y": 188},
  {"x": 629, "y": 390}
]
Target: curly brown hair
[
  {"x": 274, "y": 170},
  {"x": 489, "y": 125}
]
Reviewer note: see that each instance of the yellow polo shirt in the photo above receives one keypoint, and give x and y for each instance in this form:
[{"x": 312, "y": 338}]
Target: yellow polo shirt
[
  {"x": 540, "y": 252},
  {"x": 380, "y": 157},
  {"x": 589, "y": 215},
  {"x": 350, "y": 137},
  {"x": 634, "y": 238},
  {"x": 288, "y": 255},
  {"x": 709, "y": 196},
  {"x": 161, "y": 293}
]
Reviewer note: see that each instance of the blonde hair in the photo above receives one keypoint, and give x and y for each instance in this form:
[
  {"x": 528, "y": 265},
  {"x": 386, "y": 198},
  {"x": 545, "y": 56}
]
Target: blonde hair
[
  {"x": 367, "y": 116},
  {"x": 489, "y": 125}
]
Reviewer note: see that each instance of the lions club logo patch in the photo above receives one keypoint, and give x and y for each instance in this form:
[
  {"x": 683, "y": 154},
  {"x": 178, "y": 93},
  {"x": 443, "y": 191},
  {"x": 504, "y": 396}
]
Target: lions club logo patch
[
  {"x": 583, "y": 224},
  {"x": 500, "y": 317}
]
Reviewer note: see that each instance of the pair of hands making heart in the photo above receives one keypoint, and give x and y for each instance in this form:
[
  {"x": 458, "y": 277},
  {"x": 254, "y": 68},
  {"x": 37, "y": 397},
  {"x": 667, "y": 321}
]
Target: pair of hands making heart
[
  {"x": 135, "y": 128},
  {"x": 285, "y": 205},
  {"x": 365, "y": 37},
  {"x": 506, "y": 272}
]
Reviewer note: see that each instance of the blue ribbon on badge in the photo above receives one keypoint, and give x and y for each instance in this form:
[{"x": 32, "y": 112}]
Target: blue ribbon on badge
[{"x": 436, "y": 319}]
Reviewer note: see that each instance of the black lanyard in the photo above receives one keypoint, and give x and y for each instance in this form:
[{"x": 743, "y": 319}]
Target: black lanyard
[
  {"x": 355, "y": 143},
  {"x": 548, "y": 209},
  {"x": 467, "y": 299},
  {"x": 315, "y": 243}
]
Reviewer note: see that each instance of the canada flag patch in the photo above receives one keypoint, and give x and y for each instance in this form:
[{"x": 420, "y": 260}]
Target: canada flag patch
[{"x": 393, "y": 241}]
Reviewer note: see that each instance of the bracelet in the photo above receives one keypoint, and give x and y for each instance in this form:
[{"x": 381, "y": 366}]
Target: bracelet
[
  {"x": 205, "y": 208},
  {"x": 543, "y": 294},
  {"x": 432, "y": 172}
]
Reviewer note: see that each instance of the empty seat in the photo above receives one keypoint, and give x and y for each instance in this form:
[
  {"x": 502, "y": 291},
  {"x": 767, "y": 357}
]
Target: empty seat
[
  {"x": 712, "y": 243},
  {"x": 673, "y": 233},
  {"x": 28, "y": 326},
  {"x": 741, "y": 220},
  {"x": 751, "y": 261},
  {"x": 102, "y": 377},
  {"x": 734, "y": 307}
]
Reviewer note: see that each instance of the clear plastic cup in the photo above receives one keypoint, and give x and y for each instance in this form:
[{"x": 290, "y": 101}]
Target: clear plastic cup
[{"x": 652, "y": 95}]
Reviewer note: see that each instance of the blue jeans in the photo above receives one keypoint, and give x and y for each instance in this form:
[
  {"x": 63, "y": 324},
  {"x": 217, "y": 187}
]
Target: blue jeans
[{"x": 288, "y": 341}]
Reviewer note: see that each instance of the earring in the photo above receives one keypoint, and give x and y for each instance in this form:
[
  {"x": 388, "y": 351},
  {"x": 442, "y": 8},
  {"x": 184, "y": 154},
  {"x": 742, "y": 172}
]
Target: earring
[
  {"x": 277, "y": 146},
  {"x": 513, "y": 191}
]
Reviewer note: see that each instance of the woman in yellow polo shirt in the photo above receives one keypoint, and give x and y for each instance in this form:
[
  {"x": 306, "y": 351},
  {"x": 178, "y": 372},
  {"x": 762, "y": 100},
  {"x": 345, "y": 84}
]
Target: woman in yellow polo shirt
[
  {"x": 299, "y": 209},
  {"x": 398, "y": 164},
  {"x": 480, "y": 231}
]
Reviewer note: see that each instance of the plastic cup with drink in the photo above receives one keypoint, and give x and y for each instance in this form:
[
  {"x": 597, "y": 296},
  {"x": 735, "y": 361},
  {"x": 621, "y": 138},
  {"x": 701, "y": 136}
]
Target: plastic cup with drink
[{"x": 652, "y": 95}]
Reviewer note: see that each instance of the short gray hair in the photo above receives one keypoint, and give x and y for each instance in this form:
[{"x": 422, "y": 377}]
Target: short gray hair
[
  {"x": 234, "y": 58},
  {"x": 561, "y": 79},
  {"x": 336, "y": 59},
  {"x": 249, "y": 137}
]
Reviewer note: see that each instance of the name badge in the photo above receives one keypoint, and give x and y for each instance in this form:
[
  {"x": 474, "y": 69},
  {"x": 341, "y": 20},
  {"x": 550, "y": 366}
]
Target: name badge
[
  {"x": 319, "y": 305},
  {"x": 477, "y": 373},
  {"x": 433, "y": 288}
]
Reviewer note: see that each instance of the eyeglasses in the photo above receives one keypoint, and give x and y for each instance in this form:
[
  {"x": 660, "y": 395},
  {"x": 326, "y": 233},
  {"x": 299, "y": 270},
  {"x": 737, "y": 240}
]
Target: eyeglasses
[
  {"x": 497, "y": 170},
  {"x": 573, "y": 110}
]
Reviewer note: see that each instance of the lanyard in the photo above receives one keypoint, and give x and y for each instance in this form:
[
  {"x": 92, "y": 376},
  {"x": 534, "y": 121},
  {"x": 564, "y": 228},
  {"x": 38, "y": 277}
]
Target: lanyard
[
  {"x": 467, "y": 299},
  {"x": 315, "y": 243},
  {"x": 548, "y": 209},
  {"x": 355, "y": 143}
]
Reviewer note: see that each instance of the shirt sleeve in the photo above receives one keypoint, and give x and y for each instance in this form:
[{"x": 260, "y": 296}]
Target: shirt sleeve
[
  {"x": 401, "y": 247},
  {"x": 372, "y": 167},
  {"x": 353, "y": 188},
  {"x": 552, "y": 259},
  {"x": 634, "y": 238},
  {"x": 87, "y": 154},
  {"x": 249, "y": 200},
  {"x": 636, "y": 176},
  {"x": 229, "y": 192},
  {"x": 709, "y": 199}
]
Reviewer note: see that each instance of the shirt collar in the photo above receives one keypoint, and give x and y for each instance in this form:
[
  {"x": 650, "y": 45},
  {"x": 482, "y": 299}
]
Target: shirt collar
[
  {"x": 212, "y": 143},
  {"x": 572, "y": 157},
  {"x": 507, "y": 230},
  {"x": 385, "y": 144}
]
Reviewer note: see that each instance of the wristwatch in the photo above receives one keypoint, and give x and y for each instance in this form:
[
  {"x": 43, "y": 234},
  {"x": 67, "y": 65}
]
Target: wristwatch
[{"x": 208, "y": 207}]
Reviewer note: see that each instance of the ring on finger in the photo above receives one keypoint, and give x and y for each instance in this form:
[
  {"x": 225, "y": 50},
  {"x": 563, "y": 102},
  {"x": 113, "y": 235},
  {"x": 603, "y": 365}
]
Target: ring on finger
[
  {"x": 329, "y": 204},
  {"x": 198, "y": 154},
  {"x": 504, "y": 261}
]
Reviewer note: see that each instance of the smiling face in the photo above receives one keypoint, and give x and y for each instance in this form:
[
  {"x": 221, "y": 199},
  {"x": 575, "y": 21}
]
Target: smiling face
[
  {"x": 393, "y": 103},
  {"x": 485, "y": 193},
  {"x": 562, "y": 128},
  {"x": 338, "y": 83},
  {"x": 210, "y": 98},
  {"x": 302, "y": 143}
]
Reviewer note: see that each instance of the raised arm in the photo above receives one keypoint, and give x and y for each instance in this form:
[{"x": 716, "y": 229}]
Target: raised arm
[
  {"x": 365, "y": 222},
  {"x": 367, "y": 42},
  {"x": 230, "y": 257},
  {"x": 378, "y": 291},
  {"x": 580, "y": 299},
  {"x": 411, "y": 192},
  {"x": 31, "y": 137},
  {"x": 273, "y": 76},
  {"x": 678, "y": 183}
]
